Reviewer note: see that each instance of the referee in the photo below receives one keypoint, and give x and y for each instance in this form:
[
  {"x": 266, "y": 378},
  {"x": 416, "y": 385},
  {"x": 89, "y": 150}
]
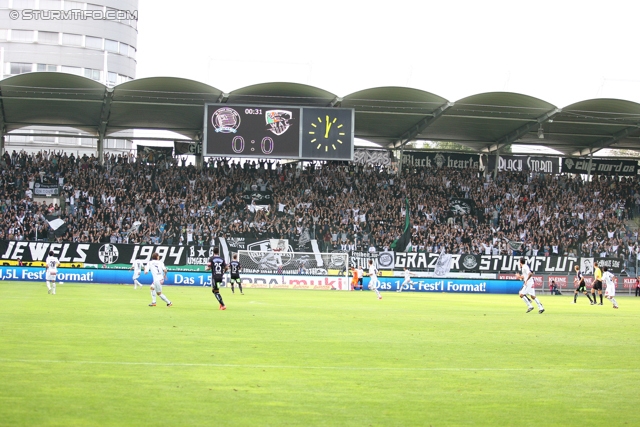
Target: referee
[{"x": 597, "y": 283}]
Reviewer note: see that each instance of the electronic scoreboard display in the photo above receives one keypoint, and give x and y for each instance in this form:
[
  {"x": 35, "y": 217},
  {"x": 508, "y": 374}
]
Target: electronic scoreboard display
[{"x": 309, "y": 133}]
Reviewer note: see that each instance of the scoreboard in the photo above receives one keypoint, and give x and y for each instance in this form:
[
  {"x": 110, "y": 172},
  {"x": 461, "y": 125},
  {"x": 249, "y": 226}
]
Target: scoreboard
[{"x": 309, "y": 133}]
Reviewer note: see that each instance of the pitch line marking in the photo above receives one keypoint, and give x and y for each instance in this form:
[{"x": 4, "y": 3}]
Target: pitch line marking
[{"x": 337, "y": 368}]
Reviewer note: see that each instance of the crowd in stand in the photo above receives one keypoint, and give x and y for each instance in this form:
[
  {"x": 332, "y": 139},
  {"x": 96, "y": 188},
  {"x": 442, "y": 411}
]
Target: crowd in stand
[{"x": 343, "y": 205}]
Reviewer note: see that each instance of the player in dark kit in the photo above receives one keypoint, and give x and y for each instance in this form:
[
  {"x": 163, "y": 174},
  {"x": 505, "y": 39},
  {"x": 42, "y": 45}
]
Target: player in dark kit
[
  {"x": 581, "y": 286},
  {"x": 234, "y": 268},
  {"x": 218, "y": 267}
]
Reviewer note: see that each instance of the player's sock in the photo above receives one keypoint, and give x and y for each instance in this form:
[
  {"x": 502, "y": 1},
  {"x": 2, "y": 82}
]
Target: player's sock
[
  {"x": 153, "y": 296},
  {"x": 232, "y": 290},
  {"x": 53, "y": 288},
  {"x": 526, "y": 301},
  {"x": 377, "y": 291},
  {"x": 589, "y": 296},
  {"x": 136, "y": 283},
  {"x": 575, "y": 297},
  {"x": 615, "y": 303},
  {"x": 165, "y": 299},
  {"x": 600, "y": 298},
  {"x": 219, "y": 298},
  {"x": 539, "y": 304},
  {"x": 48, "y": 285},
  {"x": 240, "y": 287}
]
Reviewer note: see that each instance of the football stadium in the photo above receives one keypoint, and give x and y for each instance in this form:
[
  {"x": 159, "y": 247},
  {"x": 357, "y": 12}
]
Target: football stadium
[{"x": 287, "y": 256}]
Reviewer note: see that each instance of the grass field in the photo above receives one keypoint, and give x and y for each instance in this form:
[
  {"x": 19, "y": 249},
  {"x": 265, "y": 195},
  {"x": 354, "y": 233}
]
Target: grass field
[{"x": 96, "y": 355}]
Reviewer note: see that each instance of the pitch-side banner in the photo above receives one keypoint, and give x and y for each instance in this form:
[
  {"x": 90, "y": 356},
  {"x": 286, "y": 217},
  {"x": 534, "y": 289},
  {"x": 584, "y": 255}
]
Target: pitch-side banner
[
  {"x": 420, "y": 159},
  {"x": 600, "y": 167},
  {"x": 525, "y": 163}
]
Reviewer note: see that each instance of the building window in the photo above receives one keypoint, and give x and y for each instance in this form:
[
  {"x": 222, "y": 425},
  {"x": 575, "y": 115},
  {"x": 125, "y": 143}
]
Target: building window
[
  {"x": 50, "y": 5},
  {"x": 124, "y": 49},
  {"x": 111, "y": 45},
  {"x": 69, "y": 5},
  {"x": 4, "y": 4},
  {"x": 72, "y": 39},
  {"x": 71, "y": 70},
  {"x": 92, "y": 74},
  {"x": 48, "y": 37},
  {"x": 20, "y": 68},
  {"x": 132, "y": 52},
  {"x": 93, "y": 42},
  {"x": 24, "y": 4},
  {"x": 122, "y": 79},
  {"x": 3, "y": 34},
  {"x": 47, "y": 67},
  {"x": 22, "y": 36},
  {"x": 112, "y": 78}
]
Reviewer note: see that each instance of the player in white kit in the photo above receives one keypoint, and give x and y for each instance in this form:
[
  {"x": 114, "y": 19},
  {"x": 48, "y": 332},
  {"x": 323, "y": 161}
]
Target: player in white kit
[
  {"x": 159, "y": 273},
  {"x": 137, "y": 267},
  {"x": 527, "y": 288},
  {"x": 52, "y": 272},
  {"x": 373, "y": 278},
  {"x": 407, "y": 280},
  {"x": 610, "y": 292}
]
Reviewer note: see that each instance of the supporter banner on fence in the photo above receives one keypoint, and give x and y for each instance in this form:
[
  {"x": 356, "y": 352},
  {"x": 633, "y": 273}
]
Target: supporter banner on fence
[
  {"x": 154, "y": 154},
  {"x": 600, "y": 167},
  {"x": 187, "y": 148},
  {"x": 107, "y": 253},
  {"x": 46, "y": 190},
  {"x": 525, "y": 163},
  {"x": 372, "y": 157},
  {"x": 420, "y": 159},
  {"x": 486, "y": 263},
  {"x": 360, "y": 259},
  {"x": 615, "y": 265}
]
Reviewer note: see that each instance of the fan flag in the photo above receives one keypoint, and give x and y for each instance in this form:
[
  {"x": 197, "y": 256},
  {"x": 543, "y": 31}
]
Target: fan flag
[
  {"x": 404, "y": 241},
  {"x": 58, "y": 225}
]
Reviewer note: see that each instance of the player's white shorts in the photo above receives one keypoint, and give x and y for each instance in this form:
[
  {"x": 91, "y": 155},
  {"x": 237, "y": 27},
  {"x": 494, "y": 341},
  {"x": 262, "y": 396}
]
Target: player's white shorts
[
  {"x": 374, "y": 283},
  {"x": 136, "y": 276},
  {"x": 610, "y": 292},
  {"x": 51, "y": 277},
  {"x": 528, "y": 289},
  {"x": 157, "y": 284}
]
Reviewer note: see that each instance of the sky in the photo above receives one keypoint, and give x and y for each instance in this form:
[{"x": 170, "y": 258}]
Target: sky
[{"x": 559, "y": 51}]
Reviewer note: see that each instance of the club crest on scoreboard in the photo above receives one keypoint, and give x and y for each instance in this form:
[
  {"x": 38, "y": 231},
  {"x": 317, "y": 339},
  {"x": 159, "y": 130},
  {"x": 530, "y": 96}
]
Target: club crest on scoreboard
[
  {"x": 225, "y": 120},
  {"x": 278, "y": 121}
]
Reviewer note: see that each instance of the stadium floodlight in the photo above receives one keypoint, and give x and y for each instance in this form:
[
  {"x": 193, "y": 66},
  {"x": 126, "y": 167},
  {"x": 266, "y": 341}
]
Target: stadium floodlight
[{"x": 540, "y": 132}]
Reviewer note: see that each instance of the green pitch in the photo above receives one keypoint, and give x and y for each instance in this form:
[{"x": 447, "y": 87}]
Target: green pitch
[{"x": 97, "y": 355}]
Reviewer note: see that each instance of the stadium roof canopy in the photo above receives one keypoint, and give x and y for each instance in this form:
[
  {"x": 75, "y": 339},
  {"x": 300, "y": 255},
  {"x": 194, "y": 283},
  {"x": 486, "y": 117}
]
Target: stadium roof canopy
[{"x": 388, "y": 116}]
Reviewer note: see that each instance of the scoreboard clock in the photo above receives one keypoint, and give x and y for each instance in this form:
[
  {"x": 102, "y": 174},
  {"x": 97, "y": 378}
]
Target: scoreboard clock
[
  {"x": 278, "y": 132},
  {"x": 327, "y": 134}
]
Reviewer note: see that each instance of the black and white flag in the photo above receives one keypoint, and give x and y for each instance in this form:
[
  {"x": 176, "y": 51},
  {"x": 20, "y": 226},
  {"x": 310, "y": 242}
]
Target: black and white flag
[{"x": 57, "y": 224}]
